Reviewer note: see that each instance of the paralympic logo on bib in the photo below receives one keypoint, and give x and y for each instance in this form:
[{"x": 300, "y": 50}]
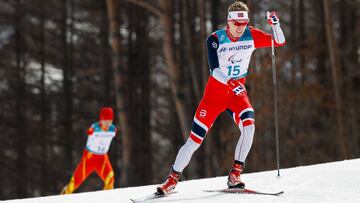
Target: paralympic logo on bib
[{"x": 232, "y": 60}]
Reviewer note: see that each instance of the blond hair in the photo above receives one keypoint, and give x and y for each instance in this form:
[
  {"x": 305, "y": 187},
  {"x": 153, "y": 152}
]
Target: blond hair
[{"x": 238, "y": 6}]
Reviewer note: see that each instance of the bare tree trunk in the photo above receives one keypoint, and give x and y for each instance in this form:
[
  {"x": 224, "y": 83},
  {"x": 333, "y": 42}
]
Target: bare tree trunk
[
  {"x": 44, "y": 109},
  {"x": 293, "y": 39},
  {"x": 67, "y": 88},
  {"x": 105, "y": 60},
  {"x": 139, "y": 99},
  {"x": 166, "y": 20},
  {"x": 349, "y": 42},
  {"x": 21, "y": 136},
  {"x": 336, "y": 77},
  {"x": 189, "y": 54},
  {"x": 301, "y": 43},
  {"x": 204, "y": 65},
  {"x": 214, "y": 14},
  {"x": 119, "y": 77}
]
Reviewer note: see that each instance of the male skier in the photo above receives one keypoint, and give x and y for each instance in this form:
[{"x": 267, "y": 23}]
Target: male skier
[
  {"x": 95, "y": 157},
  {"x": 229, "y": 52}
]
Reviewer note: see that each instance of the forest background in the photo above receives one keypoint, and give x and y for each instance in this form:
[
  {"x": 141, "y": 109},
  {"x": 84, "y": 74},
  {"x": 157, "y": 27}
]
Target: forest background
[{"x": 61, "y": 61}]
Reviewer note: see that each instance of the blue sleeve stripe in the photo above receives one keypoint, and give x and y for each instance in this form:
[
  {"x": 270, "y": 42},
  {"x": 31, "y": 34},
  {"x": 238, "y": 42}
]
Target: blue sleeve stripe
[
  {"x": 247, "y": 114},
  {"x": 198, "y": 130}
]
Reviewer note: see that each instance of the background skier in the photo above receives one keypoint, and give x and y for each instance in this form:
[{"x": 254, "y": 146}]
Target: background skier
[{"x": 95, "y": 157}]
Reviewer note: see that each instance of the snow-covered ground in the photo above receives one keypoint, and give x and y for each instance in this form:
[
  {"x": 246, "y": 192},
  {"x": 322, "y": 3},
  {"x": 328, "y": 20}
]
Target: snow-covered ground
[{"x": 330, "y": 182}]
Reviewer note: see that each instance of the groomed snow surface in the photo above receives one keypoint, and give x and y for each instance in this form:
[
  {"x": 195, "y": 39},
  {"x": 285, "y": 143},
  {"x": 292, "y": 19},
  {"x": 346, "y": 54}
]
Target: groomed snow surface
[{"x": 329, "y": 182}]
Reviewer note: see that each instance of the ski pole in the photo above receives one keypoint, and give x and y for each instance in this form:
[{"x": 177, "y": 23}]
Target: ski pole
[{"x": 275, "y": 100}]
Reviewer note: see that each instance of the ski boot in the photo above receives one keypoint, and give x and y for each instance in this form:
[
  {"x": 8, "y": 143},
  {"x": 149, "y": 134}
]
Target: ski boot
[
  {"x": 234, "y": 176},
  {"x": 65, "y": 191},
  {"x": 69, "y": 188},
  {"x": 170, "y": 183}
]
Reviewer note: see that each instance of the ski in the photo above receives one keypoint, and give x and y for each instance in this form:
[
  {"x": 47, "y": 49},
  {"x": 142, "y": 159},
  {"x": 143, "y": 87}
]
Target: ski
[
  {"x": 245, "y": 191},
  {"x": 151, "y": 196}
]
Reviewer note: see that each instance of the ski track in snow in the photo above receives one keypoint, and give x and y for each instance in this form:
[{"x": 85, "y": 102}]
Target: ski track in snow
[{"x": 329, "y": 182}]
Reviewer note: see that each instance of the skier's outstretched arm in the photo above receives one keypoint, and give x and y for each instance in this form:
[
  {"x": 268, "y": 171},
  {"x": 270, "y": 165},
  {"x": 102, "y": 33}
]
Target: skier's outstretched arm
[{"x": 263, "y": 39}]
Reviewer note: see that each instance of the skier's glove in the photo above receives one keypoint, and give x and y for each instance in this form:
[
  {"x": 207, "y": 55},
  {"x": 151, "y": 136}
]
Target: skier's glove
[
  {"x": 272, "y": 18},
  {"x": 236, "y": 87},
  {"x": 90, "y": 131}
]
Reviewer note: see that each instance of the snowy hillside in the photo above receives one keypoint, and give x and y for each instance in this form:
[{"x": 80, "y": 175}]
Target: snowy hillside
[{"x": 331, "y": 182}]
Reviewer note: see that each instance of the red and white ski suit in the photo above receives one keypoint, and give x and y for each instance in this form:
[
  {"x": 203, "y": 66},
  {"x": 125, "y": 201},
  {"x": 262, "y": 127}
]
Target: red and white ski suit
[
  {"x": 228, "y": 58},
  {"x": 94, "y": 158}
]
